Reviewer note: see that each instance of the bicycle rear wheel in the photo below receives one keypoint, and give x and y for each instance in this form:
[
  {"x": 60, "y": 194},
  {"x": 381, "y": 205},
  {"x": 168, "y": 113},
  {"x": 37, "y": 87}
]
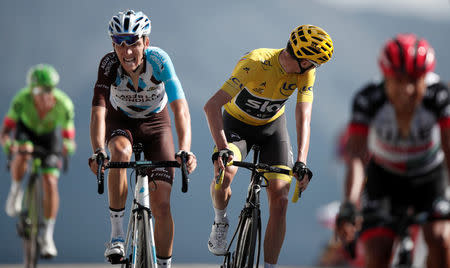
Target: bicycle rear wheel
[
  {"x": 249, "y": 233},
  {"x": 143, "y": 250}
]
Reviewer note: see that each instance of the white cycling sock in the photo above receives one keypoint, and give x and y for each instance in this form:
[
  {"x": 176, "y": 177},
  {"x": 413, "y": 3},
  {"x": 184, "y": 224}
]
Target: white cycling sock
[
  {"x": 268, "y": 265},
  {"x": 116, "y": 217},
  {"x": 15, "y": 186},
  {"x": 49, "y": 227},
  {"x": 164, "y": 262},
  {"x": 220, "y": 215}
]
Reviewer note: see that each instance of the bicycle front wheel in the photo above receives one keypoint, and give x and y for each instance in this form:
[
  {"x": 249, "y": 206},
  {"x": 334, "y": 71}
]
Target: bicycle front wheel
[
  {"x": 30, "y": 222},
  {"x": 143, "y": 250},
  {"x": 249, "y": 233}
]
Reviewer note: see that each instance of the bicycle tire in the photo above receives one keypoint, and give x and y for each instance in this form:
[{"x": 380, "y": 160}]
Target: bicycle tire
[
  {"x": 405, "y": 260},
  {"x": 249, "y": 233},
  {"x": 32, "y": 223},
  {"x": 143, "y": 254}
]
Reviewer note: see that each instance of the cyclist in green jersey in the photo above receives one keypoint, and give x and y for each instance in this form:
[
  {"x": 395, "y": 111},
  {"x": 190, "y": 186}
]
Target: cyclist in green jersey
[{"x": 36, "y": 114}]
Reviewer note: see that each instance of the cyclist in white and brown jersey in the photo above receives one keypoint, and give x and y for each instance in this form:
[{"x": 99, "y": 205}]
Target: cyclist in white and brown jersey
[{"x": 135, "y": 83}]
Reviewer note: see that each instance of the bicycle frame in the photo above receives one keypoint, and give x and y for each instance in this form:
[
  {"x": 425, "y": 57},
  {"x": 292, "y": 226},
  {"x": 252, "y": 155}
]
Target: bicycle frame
[
  {"x": 141, "y": 202},
  {"x": 140, "y": 208},
  {"x": 30, "y": 219},
  {"x": 251, "y": 210}
]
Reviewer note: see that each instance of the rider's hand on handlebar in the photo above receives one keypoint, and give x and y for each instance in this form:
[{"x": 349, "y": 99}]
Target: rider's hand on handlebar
[
  {"x": 348, "y": 222},
  {"x": 9, "y": 147},
  {"x": 92, "y": 161},
  {"x": 222, "y": 154},
  {"x": 191, "y": 162},
  {"x": 69, "y": 147},
  {"x": 303, "y": 175}
]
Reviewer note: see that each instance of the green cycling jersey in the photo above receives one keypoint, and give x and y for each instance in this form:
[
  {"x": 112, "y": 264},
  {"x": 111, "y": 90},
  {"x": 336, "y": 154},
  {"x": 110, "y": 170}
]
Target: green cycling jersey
[{"x": 60, "y": 116}]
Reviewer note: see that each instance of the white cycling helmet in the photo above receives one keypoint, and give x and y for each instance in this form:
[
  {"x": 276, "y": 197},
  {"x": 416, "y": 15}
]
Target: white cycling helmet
[{"x": 129, "y": 22}]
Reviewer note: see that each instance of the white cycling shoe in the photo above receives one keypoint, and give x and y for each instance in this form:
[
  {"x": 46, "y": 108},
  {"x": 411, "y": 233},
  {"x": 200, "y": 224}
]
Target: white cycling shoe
[
  {"x": 115, "y": 250},
  {"x": 217, "y": 243},
  {"x": 48, "y": 248},
  {"x": 14, "y": 203}
]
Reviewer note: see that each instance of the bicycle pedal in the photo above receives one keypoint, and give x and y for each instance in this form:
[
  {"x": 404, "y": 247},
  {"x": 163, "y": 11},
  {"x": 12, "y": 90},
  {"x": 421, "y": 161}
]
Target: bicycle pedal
[
  {"x": 22, "y": 231},
  {"x": 117, "y": 259},
  {"x": 46, "y": 256}
]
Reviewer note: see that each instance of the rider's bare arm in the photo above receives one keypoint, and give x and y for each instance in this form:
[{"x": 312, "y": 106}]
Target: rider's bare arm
[
  {"x": 303, "y": 124},
  {"x": 182, "y": 118},
  {"x": 213, "y": 111},
  {"x": 354, "y": 180},
  {"x": 97, "y": 127}
]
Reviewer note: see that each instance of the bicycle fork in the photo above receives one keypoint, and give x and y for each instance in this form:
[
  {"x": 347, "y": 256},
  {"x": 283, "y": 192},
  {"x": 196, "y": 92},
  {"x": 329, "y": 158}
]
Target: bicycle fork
[{"x": 141, "y": 202}]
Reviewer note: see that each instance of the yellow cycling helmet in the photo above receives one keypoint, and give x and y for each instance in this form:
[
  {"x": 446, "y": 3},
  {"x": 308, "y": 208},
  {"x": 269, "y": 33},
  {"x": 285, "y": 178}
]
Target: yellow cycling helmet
[{"x": 312, "y": 43}]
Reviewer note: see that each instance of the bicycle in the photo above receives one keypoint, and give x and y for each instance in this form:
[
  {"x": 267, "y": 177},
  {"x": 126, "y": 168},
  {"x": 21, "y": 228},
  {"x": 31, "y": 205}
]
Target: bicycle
[
  {"x": 139, "y": 238},
  {"x": 248, "y": 230},
  {"x": 30, "y": 219}
]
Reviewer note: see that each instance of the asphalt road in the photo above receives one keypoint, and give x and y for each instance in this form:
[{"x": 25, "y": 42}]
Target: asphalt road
[{"x": 116, "y": 266}]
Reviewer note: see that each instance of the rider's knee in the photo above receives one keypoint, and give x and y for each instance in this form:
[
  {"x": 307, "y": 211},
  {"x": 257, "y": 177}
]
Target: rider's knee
[
  {"x": 120, "y": 148},
  {"x": 379, "y": 250},
  {"x": 279, "y": 204},
  {"x": 51, "y": 181},
  {"x": 21, "y": 157},
  {"x": 161, "y": 208},
  {"x": 438, "y": 235}
]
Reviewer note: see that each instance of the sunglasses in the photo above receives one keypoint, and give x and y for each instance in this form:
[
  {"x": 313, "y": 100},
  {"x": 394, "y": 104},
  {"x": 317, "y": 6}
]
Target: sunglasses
[
  {"x": 42, "y": 90},
  {"x": 315, "y": 64},
  {"x": 291, "y": 52},
  {"x": 128, "y": 39}
]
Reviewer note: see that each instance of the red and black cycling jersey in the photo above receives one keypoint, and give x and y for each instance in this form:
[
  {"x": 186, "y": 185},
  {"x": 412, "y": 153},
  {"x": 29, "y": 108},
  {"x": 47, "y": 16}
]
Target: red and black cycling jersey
[{"x": 373, "y": 115}]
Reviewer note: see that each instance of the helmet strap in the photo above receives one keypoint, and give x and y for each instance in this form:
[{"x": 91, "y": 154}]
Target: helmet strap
[
  {"x": 290, "y": 51},
  {"x": 143, "y": 56},
  {"x": 302, "y": 70}
]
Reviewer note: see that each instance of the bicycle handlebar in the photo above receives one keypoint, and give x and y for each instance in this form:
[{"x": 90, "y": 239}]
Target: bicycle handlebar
[
  {"x": 261, "y": 168},
  {"x": 438, "y": 213},
  {"x": 184, "y": 172},
  {"x": 266, "y": 168},
  {"x": 39, "y": 152},
  {"x": 143, "y": 164},
  {"x": 100, "y": 174}
]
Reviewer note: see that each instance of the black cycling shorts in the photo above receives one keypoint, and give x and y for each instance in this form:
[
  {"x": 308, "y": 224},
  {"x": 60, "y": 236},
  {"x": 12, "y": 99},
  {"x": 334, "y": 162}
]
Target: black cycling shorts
[
  {"x": 155, "y": 134},
  {"x": 50, "y": 142},
  {"x": 273, "y": 139},
  {"x": 385, "y": 190}
]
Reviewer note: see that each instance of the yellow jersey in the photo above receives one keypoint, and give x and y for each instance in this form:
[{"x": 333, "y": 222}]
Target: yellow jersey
[{"x": 260, "y": 87}]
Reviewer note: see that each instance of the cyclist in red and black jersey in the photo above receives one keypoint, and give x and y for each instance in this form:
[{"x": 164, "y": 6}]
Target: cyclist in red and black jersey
[{"x": 399, "y": 136}]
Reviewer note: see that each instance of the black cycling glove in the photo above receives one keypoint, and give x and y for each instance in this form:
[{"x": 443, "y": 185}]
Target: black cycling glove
[
  {"x": 301, "y": 170},
  {"x": 223, "y": 154},
  {"x": 347, "y": 213}
]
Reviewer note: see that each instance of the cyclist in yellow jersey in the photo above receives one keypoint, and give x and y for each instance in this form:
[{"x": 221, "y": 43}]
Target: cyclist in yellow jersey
[{"x": 253, "y": 99}]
